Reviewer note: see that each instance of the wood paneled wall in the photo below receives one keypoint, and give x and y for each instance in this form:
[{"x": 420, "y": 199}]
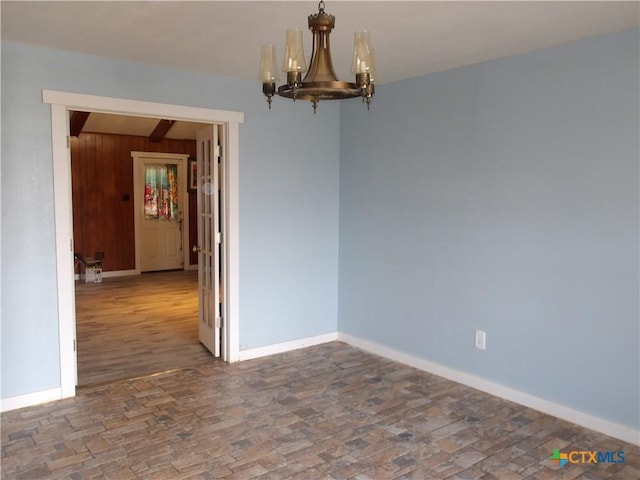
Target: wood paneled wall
[{"x": 102, "y": 182}]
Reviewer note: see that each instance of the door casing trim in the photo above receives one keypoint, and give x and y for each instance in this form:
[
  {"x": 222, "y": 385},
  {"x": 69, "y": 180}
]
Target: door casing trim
[{"x": 61, "y": 103}]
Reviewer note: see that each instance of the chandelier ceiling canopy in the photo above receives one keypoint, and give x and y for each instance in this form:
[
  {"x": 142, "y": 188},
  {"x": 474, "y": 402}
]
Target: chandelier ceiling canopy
[{"x": 320, "y": 81}]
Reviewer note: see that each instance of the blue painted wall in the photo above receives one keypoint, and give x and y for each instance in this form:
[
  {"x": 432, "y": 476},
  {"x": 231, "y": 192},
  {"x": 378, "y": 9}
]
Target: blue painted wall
[
  {"x": 288, "y": 202},
  {"x": 504, "y": 197},
  {"x": 501, "y": 196}
]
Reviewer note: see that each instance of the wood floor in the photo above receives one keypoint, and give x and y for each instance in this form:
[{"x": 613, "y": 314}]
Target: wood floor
[
  {"x": 325, "y": 412},
  {"x": 132, "y": 326}
]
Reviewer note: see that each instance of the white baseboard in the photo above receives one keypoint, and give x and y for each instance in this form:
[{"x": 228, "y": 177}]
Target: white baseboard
[
  {"x": 287, "y": 346},
  {"x": 563, "y": 412},
  {"x": 115, "y": 273},
  {"x": 30, "y": 399},
  {"x": 35, "y": 398},
  {"x": 120, "y": 273}
]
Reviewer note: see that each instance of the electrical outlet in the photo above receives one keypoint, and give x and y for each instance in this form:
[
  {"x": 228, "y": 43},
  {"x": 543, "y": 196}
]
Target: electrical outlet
[{"x": 481, "y": 339}]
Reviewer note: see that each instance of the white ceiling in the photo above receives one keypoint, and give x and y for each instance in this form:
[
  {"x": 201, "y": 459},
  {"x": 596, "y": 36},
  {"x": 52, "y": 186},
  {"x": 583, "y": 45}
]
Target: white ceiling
[{"x": 224, "y": 37}]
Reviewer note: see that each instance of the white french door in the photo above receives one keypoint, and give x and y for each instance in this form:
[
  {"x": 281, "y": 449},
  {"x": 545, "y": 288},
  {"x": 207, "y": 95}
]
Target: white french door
[{"x": 210, "y": 177}]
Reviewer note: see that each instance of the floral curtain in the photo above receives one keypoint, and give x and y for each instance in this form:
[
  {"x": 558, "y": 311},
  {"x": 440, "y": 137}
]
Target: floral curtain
[{"x": 161, "y": 192}]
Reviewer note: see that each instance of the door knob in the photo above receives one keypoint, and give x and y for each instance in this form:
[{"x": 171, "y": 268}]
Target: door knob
[{"x": 196, "y": 249}]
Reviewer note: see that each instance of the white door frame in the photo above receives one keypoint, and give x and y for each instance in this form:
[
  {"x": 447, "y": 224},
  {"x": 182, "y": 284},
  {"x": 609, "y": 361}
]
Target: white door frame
[
  {"x": 138, "y": 201},
  {"x": 61, "y": 103}
]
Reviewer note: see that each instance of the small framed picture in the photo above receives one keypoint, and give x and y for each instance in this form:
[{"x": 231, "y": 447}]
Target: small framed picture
[{"x": 193, "y": 175}]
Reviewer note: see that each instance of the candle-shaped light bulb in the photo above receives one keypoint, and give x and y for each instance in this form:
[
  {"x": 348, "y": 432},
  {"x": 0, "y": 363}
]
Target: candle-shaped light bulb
[
  {"x": 268, "y": 65},
  {"x": 362, "y": 53},
  {"x": 294, "y": 53}
]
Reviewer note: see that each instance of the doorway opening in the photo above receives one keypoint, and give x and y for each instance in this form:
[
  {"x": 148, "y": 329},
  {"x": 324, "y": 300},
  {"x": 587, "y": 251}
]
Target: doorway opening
[
  {"x": 137, "y": 325},
  {"x": 133, "y": 208},
  {"x": 61, "y": 104}
]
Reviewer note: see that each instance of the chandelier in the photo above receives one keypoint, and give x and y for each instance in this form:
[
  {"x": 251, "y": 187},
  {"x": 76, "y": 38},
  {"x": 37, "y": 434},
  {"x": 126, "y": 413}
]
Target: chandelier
[{"x": 320, "y": 81}]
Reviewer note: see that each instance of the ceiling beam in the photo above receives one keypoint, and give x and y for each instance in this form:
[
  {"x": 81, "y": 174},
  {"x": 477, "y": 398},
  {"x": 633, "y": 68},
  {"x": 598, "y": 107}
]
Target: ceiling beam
[
  {"x": 161, "y": 130},
  {"x": 78, "y": 119}
]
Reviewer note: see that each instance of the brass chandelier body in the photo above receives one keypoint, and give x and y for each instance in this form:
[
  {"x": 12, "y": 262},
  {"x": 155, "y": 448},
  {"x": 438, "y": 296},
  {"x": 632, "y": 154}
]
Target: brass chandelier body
[{"x": 321, "y": 81}]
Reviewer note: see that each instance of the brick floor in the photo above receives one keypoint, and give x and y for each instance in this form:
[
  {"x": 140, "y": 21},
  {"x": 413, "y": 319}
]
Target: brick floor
[{"x": 325, "y": 412}]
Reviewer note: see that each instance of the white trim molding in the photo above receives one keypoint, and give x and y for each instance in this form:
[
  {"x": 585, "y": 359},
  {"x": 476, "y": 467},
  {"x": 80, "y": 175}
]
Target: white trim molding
[
  {"x": 549, "y": 407},
  {"x": 287, "y": 346},
  {"x": 65, "y": 261},
  {"x": 139, "y": 108},
  {"x": 63, "y": 102},
  {"x": 120, "y": 273},
  {"x": 560, "y": 411},
  {"x": 115, "y": 273},
  {"x": 232, "y": 229},
  {"x": 30, "y": 399}
]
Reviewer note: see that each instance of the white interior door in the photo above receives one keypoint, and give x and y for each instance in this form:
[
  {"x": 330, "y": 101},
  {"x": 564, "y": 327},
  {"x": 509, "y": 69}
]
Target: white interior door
[
  {"x": 209, "y": 239},
  {"x": 160, "y": 241}
]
